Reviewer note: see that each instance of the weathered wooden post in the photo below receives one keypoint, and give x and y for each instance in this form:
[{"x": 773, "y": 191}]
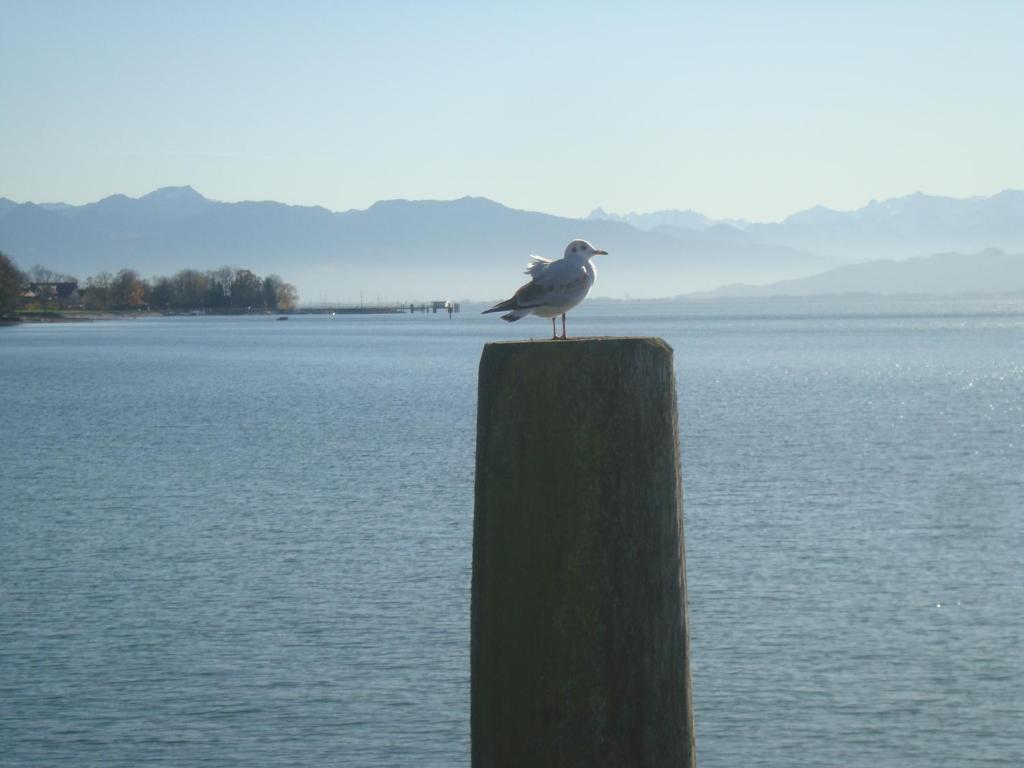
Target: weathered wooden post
[{"x": 579, "y": 648}]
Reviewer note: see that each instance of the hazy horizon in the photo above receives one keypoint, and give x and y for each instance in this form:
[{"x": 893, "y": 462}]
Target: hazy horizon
[
  {"x": 474, "y": 248},
  {"x": 619, "y": 215},
  {"x": 736, "y": 111}
]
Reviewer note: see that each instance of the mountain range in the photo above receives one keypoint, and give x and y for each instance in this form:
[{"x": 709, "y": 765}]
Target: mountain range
[
  {"x": 901, "y": 227},
  {"x": 991, "y": 271},
  {"x": 475, "y": 247}
]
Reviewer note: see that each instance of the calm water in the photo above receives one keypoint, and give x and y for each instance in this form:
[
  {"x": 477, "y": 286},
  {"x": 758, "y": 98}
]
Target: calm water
[{"x": 237, "y": 542}]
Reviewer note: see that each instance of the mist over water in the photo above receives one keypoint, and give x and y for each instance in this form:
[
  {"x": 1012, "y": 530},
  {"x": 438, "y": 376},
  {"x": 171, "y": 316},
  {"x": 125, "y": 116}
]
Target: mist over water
[{"x": 236, "y": 542}]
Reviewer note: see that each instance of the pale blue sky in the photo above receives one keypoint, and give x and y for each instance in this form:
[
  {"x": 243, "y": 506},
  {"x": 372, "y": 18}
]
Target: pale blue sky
[{"x": 735, "y": 109}]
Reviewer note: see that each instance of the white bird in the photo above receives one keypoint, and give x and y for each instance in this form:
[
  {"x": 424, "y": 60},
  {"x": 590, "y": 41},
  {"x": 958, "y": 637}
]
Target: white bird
[{"x": 556, "y": 287}]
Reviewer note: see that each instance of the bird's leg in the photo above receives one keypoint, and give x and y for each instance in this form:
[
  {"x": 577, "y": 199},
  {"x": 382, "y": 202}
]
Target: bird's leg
[
  {"x": 554, "y": 333},
  {"x": 563, "y": 325}
]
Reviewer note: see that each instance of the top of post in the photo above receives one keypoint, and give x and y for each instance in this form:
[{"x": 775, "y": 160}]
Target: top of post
[{"x": 589, "y": 342}]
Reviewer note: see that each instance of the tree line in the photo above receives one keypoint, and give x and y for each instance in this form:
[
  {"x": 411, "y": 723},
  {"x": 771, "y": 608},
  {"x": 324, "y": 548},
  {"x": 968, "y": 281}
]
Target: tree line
[{"x": 224, "y": 289}]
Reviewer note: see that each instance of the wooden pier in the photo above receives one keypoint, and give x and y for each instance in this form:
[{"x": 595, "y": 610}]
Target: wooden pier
[{"x": 412, "y": 307}]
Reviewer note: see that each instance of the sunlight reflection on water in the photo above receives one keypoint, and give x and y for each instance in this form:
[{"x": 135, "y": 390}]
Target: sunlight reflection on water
[{"x": 228, "y": 541}]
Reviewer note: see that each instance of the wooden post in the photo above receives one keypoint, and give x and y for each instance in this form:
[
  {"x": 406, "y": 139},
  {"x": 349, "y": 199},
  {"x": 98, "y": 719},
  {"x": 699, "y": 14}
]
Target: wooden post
[{"x": 579, "y": 638}]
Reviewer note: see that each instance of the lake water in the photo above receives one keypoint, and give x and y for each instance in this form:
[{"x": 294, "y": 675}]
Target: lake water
[{"x": 238, "y": 542}]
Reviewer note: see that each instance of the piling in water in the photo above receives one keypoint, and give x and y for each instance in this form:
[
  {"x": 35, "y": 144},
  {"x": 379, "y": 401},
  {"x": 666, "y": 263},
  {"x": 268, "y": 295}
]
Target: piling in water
[{"x": 579, "y": 647}]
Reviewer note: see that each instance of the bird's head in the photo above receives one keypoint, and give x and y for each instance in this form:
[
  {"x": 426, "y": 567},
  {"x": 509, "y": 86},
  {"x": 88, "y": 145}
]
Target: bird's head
[{"x": 581, "y": 249}]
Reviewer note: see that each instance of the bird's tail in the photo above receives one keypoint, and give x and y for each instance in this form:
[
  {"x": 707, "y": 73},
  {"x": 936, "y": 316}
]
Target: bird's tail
[
  {"x": 502, "y": 306},
  {"x": 511, "y": 317}
]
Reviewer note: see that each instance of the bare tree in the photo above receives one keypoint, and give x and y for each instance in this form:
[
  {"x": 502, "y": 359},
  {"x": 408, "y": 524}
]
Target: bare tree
[
  {"x": 10, "y": 285},
  {"x": 127, "y": 290},
  {"x": 190, "y": 289},
  {"x": 40, "y": 274},
  {"x": 219, "y": 294},
  {"x": 246, "y": 290},
  {"x": 287, "y": 296},
  {"x": 97, "y": 291}
]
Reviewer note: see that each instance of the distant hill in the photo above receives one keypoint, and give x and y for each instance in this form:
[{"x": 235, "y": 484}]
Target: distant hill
[
  {"x": 397, "y": 249},
  {"x": 476, "y": 248},
  {"x": 991, "y": 271},
  {"x": 686, "y": 220},
  {"x": 914, "y": 225},
  {"x": 166, "y": 204}
]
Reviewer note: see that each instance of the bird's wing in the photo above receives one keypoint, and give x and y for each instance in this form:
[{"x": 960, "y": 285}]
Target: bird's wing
[
  {"x": 531, "y": 294},
  {"x": 536, "y": 265},
  {"x": 562, "y": 273},
  {"x": 558, "y": 281}
]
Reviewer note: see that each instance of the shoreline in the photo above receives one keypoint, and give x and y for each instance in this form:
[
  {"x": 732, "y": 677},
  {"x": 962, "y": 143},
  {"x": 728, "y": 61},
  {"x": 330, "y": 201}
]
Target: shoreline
[
  {"x": 88, "y": 316},
  {"x": 73, "y": 316}
]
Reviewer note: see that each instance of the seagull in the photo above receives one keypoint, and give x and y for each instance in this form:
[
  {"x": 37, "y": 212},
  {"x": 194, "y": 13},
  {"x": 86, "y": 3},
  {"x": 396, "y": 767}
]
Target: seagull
[{"x": 556, "y": 287}]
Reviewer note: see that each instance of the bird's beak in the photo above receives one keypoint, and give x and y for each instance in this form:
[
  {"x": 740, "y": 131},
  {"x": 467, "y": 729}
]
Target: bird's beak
[{"x": 600, "y": 253}]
